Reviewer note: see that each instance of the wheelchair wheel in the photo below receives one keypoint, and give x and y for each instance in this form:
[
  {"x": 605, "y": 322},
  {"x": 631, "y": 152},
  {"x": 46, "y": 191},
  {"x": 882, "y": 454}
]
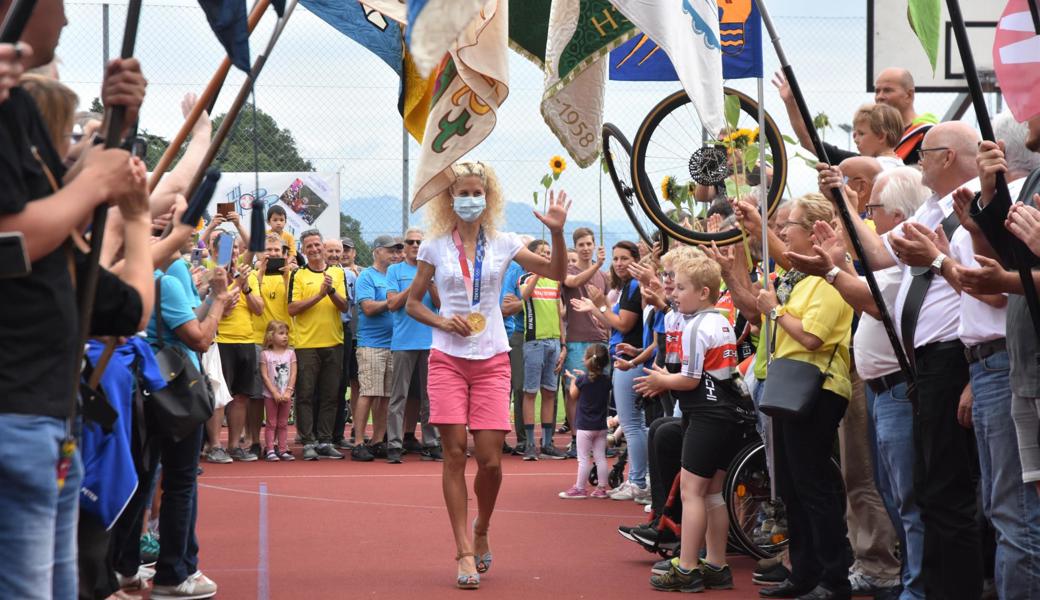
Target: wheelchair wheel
[
  {"x": 757, "y": 524},
  {"x": 672, "y": 143},
  {"x": 593, "y": 477},
  {"x": 617, "y": 153},
  {"x": 617, "y": 472}
]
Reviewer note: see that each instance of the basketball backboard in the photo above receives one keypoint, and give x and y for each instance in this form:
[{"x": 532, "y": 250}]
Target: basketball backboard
[{"x": 891, "y": 43}]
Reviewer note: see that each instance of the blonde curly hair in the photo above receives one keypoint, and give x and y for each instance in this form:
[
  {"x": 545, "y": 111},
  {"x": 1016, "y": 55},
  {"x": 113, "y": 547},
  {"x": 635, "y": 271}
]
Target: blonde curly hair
[{"x": 440, "y": 211}]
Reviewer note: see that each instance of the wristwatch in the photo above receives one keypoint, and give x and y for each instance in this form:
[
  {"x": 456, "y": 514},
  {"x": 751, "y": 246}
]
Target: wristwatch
[
  {"x": 774, "y": 314},
  {"x": 247, "y": 291},
  {"x": 937, "y": 264},
  {"x": 603, "y": 309},
  {"x": 832, "y": 274}
]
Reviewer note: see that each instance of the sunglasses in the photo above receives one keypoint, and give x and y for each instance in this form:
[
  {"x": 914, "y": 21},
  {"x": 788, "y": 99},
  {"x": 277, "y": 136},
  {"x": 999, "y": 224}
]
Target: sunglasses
[{"x": 413, "y": 242}]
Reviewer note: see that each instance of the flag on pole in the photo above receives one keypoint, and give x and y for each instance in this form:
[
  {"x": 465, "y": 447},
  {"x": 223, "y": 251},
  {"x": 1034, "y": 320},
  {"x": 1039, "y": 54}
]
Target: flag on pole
[
  {"x": 688, "y": 32},
  {"x": 740, "y": 29},
  {"x": 472, "y": 82},
  {"x": 434, "y": 25},
  {"x": 925, "y": 18},
  {"x": 228, "y": 20},
  {"x": 1016, "y": 60},
  {"x": 581, "y": 34},
  {"x": 279, "y": 7},
  {"x": 529, "y": 30}
]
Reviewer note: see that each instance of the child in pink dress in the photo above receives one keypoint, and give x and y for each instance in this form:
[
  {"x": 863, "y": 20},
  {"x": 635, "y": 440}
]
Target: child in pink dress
[{"x": 278, "y": 371}]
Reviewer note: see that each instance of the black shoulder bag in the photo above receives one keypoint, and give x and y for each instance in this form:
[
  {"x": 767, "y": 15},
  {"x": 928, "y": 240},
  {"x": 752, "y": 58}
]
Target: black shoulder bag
[{"x": 185, "y": 403}]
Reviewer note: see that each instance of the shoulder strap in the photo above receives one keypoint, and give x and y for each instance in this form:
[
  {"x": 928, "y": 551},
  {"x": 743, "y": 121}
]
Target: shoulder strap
[
  {"x": 1032, "y": 182},
  {"x": 922, "y": 280},
  {"x": 158, "y": 312}
]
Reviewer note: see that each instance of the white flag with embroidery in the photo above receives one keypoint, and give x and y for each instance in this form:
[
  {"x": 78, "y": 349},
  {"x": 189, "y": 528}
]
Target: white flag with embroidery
[
  {"x": 688, "y": 32},
  {"x": 471, "y": 84}
]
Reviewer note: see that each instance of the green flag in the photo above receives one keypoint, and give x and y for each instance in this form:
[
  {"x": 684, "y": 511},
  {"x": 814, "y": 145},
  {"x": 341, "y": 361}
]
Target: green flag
[
  {"x": 925, "y": 17},
  {"x": 529, "y": 30}
]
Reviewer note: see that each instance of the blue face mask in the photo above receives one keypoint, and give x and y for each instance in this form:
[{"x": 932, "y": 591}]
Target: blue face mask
[{"x": 469, "y": 208}]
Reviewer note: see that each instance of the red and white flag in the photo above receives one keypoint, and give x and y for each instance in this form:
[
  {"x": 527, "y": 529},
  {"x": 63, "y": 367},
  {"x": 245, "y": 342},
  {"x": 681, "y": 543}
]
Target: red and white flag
[{"x": 1016, "y": 60}]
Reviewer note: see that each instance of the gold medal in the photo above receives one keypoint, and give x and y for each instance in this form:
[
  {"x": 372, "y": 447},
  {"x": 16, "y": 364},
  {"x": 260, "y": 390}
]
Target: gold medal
[{"x": 476, "y": 321}]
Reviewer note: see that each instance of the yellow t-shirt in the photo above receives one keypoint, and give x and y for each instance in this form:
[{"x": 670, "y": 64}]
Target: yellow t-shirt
[
  {"x": 288, "y": 240},
  {"x": 237, "y": 326},
  {"x": 274, "y": 291},
  {"x": 826, "y": 315},
  {"x": 320, "y": 326}
]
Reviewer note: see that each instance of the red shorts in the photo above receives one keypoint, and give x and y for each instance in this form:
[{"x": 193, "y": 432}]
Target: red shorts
[{"x": 469, "y": 392}]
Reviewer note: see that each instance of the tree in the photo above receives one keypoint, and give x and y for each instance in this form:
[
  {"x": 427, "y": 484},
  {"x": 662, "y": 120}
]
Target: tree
[{"x": 351, "y": 228}]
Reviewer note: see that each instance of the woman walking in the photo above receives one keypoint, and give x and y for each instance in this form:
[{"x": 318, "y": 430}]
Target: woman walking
[{"x": 469, "y": 373}]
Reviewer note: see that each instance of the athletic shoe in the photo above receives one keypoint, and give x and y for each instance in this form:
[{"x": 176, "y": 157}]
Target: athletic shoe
[
  {"x": 242, "y": 455},
  {"x": 716, "y": 578},
  {"x": 572, "y": 450},
  {"x": 361, "y": 453},
  {"x": 563, "y": 429},
  {"x": 309, "y": 453},
  {"x": 626, "y": 530},
  {"x": 432, "y": 453},
  {"x": 286, "y": 455},
  {"x": 663, "y": 566},
  {"x": 530, "y": 452},
  {"x": 648, "y": 509},
  {"x": 218, "y": 455},
  {"x": 642, "y": 496},
  {"x": 772, "y": 574},
  {"x": 626, "y": 491},
  {"x": 551, "y": 452},
  {"x": 136, "y": 583},
  {"x": 393, "y": 456},
  {"x": 256, "y": 450},
  {"x": 655, "y": 538},
  {"x": 325, "y": 450},
  {"x": 507, "y": 449},
  {"x": 271, "y": 456},
  {"x": 518, "y": 449},
  {"x": 345, "y": 444},
  {"x": 196, "y": 587},
  {"x": 677, "y": 581},
  {"x": 865, "y": 585},
  {"x": 379, "y": 450},
  {"x": 149, "y": 547},
  {"x": 599, "y": 494},
  {"x": 411, "y": 445},
  {"x": 574, "y": 493}
]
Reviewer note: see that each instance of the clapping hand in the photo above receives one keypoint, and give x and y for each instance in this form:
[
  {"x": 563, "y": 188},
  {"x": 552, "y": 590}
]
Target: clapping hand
[
  {"x": 653, "y": 383},
  {"x": 987, "y": 279},
  {"x": 917, "y": 246},
  {"x": 1024, "y": 222}
]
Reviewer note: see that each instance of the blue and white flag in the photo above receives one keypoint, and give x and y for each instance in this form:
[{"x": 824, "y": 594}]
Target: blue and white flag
[
  {"x": 434, "y": 25},
  {"x": 688, "y": 32},
  {"x": 366, "y": 26},
  {"x": 740, "y": 29},
  {"x": 228, "y": 20}
]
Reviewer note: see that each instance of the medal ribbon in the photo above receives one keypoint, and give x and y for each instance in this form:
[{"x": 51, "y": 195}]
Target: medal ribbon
[{"x": 472, "y": 281}]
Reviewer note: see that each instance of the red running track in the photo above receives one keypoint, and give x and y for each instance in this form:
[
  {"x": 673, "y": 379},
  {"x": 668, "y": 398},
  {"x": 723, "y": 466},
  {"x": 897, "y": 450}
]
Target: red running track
[{"x": 346, "y": 530}]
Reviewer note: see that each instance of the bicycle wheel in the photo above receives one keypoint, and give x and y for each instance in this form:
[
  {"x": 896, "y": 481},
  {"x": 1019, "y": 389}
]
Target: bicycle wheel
[
  {"x": 757, "y": 524},
  {"x": 617, "y": 152},
  {"x": 697, "y": 169}
]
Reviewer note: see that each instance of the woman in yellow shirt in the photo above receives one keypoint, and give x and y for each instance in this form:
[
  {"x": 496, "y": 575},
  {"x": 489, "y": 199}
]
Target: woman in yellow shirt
[{"x": 813, "y": 324}]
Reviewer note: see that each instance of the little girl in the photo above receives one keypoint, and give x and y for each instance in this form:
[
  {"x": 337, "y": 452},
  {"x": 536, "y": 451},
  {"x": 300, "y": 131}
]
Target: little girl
[
  {"x": 593, "y": 394},
  {"x": 278, "y": 370}
]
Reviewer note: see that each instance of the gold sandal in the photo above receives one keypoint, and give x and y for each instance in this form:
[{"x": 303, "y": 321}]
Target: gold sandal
[{"x": 467, "y": 581}]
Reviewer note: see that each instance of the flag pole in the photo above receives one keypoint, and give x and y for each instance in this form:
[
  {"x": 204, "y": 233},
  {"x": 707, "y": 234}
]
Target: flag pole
[
  {"x": 207, "y": 98},
  {"x": 1034, "y": 11},
  {"x": 1018, "y": 255},
  {"x": 763, "y": 206},
  {"x": 838, "y": 195}
]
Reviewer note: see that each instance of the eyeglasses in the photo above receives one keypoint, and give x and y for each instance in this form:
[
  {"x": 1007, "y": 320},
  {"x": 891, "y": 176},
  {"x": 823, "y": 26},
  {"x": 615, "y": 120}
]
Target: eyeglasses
[
  {"x": 803, "y": 224},
  {"x": 870, "y": 208},
  {"x": 413, "y": 242},
  {"x": 923, "y": 151},
  {"x": 668, "y": 275}
]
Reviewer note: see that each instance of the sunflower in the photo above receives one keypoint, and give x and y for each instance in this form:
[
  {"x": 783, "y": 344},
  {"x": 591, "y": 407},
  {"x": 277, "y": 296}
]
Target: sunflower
[
  {"x": 557, "y": 164},
  {"x": 741, "y": 138},
  {"x": 666, "y": 187}
]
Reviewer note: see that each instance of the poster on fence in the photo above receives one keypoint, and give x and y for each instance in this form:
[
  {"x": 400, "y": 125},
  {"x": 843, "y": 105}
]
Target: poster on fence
[{"x": 310, "y": 200}]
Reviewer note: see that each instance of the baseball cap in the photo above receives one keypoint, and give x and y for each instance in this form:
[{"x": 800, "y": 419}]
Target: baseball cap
[
  {"x": 387, "y": 241},
  {"x": 348, "y": 243}
]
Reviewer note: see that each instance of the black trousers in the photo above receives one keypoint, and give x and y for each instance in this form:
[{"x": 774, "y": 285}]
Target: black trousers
[
  {"x": 814, "y": 495},
  {"x": 340, "y": 422},
  {"x": 664, "y": 460},
  {"x": 178, "y": 546},
  {"x": 944, "y": 462}
]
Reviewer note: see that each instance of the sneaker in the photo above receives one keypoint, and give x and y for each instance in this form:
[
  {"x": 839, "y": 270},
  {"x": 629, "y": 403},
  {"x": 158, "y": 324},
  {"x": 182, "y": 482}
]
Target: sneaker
[
  {"x": 530, "y": 452},
  {"x": 677, "y": 581},
  {"x": 552, "y": 453},
  {"x": 242, "y": 455},
  {"x": 256, "y": 450},
  {"x": 379, "y": 450},
  {"x": 599, "y": 494},
  {"x": 565, "y": 428},
  {"x": 196, "y": 587},
  {"x": 663, "y": 566},
  {"x": 136, "y": 583},
  {"x": 218, "y": 455},
  {"x": 507, "y": 449},
  {"x": 575, "y": 493},
  {"x": 393, "y": 456},
  {"x": 773, "y": 574},
  {"x": 432, "y": 453},
  {"x": 716, "y": 578},
  {"x": 345, "y": 444},
  {"x": 271, "y": 456},
  {"x": 361, "y": 453},
  {"x": 648, "y": 509},
  {"x": 309, "y": 453},
  {"x": 149, "y": 547},
  {"x": 411, "y": 445},
  {"x": 325, "y": 450},
  {"x": 655, "y": 538},
  {"x": 626, "y": 531},
  {"x": 626, "y": 491},
  {"x": 519, "y": 448},
  {"x": 572, "y": 450},
  {"x": 642, "y": 496},
  {"x": 865, "y": 585},
  {"x": 286, "y": 455}
]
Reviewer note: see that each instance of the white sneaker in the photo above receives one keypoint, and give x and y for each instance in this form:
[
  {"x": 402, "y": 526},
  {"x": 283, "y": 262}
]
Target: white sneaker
[
  {"x": 648, "y": 509},
  {"x": 625, "y": 491},
  {"x": 136, "y": 583},
  {"x": 641, "y": 495},
  {"x": 195, "y": 587}
]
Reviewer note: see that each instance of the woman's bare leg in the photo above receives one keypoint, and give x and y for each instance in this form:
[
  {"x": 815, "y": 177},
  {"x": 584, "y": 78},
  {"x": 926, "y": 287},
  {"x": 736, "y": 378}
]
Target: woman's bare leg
[
  {"x": 488, "y": 450},
  {"x": 453, "y": 482}
]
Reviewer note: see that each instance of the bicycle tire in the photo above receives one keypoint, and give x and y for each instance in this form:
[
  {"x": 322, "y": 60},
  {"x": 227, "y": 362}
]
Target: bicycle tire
[
  {"x": 751, "y": 458},
  {"x": 625, "y": 192},
  {"x": 647, "y": 196}
]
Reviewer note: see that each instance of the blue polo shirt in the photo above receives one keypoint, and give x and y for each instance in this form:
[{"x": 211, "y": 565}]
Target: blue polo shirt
[
  {"x": 409, "y": 334},
  {"x": 377, "y": 331},
  {"x": 511, "y": 285}
]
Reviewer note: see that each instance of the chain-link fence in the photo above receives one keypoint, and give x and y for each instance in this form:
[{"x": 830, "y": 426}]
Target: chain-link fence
[{"x": 339, "y": 102}]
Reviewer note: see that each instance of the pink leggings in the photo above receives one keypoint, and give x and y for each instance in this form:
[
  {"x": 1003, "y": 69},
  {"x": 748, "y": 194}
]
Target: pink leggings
[
  {"x": 594, "y": 443},
  {"x": 277, "y": 422}
]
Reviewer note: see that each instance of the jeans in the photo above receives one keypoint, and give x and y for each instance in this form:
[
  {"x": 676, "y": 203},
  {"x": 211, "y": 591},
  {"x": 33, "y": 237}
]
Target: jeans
[
  {"x": 945, "y": 464},
  {"x": 632, "y": 422},
  {"x": 179, "y": 548},
  {"x": 37, "y": 520},
  {"x": 813, "y": 495},
  {"x": 893, "y": 424},
  {"x": 1010, "y": 505},
  {"x": 540, "y": 358}
]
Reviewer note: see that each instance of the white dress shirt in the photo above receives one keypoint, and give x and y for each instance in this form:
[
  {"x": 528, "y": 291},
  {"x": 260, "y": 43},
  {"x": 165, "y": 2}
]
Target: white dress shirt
[
  {"x": 444, "y": 256},
  {"x": 873, "y": 351},
  {"x": 939, "y": 318}
]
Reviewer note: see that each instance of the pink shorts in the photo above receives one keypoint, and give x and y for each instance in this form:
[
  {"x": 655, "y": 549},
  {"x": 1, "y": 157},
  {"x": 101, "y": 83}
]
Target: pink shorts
[{"x": 469, "y": 392}]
